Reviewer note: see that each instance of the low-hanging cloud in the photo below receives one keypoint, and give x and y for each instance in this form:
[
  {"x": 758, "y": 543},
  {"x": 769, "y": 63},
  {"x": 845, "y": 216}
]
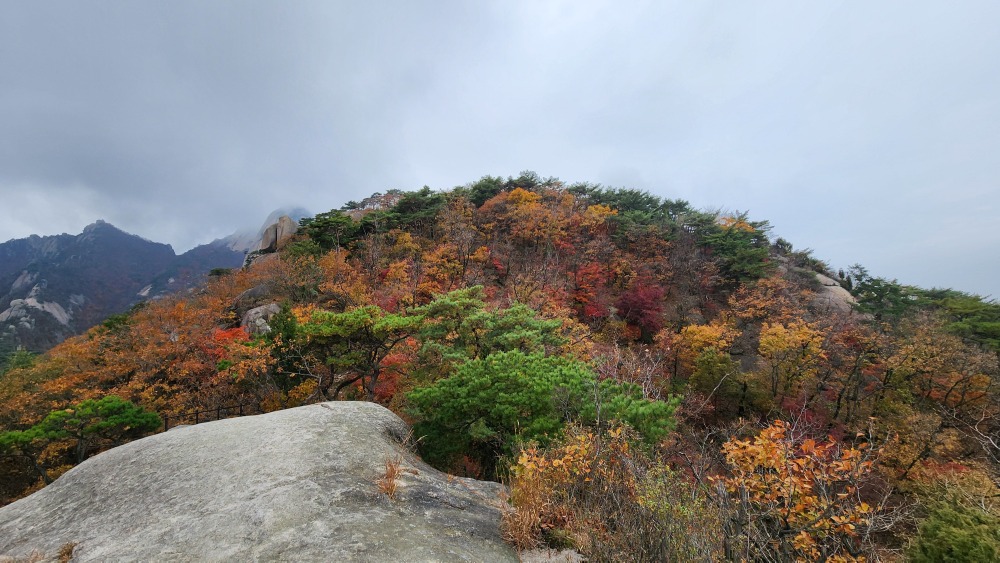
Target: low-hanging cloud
[{"x": 866, "y": 132}]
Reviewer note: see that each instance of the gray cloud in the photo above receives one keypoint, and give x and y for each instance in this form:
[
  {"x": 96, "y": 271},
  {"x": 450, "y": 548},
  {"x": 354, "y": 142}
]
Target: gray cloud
[{"x": 866, "y": 132}]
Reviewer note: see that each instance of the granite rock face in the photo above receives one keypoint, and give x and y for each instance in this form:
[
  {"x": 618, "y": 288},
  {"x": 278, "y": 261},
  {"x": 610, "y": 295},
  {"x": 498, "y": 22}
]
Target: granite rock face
[
  {"x": 275, "y": 236},
  {"x": 833, "y": 297},
  {"x": 293, "y": 485},
  {"x": 251, "y": 298}
]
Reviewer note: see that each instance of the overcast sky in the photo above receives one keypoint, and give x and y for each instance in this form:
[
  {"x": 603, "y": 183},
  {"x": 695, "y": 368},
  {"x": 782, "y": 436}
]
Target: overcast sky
[{"x": 867, "y": 131}]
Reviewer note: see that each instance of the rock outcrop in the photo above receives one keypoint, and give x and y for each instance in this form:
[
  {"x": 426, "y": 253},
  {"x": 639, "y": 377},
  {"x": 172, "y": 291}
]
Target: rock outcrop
[
  {"x": 276, "y": 235},
  {"x": 251, "y": 298},
  {"x": 256, "y": 320},
  {"x": 249, "y": 240},
  {"x": 833, "y": 297},
  {"x": 293, "y": 485}
]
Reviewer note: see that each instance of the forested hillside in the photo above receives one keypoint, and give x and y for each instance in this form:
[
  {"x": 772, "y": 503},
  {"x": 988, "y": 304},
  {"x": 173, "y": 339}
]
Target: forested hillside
[
  {"x": 54, "y": 287},
  {"x": 654, "y": 381}
]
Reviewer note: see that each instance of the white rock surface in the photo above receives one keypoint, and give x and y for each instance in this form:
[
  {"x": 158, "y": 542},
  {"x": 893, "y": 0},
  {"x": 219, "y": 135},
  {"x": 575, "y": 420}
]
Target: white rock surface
[
  {"x": 256, "y": 320},
  {"x": 19, "y": 308},
  {"x": 832, "y": 296},
  {"x": 293, "y": 485}
]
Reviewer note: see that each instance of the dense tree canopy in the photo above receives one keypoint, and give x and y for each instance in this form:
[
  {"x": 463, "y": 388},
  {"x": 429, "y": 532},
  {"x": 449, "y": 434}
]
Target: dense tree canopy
[
  {"x": 499, "y": 314},
  {"x": 492, "y": 404}
]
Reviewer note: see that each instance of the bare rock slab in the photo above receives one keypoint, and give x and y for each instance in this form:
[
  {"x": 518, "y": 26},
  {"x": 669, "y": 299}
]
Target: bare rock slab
[
  {"x": 833, "y": 297},
  {"x": 293, "y": 485}
]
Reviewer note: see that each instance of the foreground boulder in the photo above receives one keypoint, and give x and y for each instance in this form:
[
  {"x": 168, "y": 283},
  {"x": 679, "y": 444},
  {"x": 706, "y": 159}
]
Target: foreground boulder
[{"x": 293, "y": 485}]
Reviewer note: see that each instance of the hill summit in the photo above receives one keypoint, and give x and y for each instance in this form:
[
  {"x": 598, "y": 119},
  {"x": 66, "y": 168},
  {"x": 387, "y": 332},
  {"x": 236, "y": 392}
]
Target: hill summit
[{"x": 653, "y": 381}]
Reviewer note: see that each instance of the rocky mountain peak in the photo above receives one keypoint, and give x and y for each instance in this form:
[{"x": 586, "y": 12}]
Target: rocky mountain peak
[
  {"x": 97, "y": 225},
  {"x": 52, "y": 287}
]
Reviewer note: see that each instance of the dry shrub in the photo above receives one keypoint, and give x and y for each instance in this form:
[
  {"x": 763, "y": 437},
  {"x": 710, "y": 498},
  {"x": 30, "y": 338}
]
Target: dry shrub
[
  {"x": 529, "y": 497},
  {"x": 65, "y": 555},
  {"x": 610, "y": 500},
  {"x": 389, "y": 480},
  {"x": 66, "y": 552}
]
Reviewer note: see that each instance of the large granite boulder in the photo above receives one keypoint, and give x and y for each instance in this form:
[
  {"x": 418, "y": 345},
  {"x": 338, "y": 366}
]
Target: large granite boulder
[
  {"x": 293, "y": 485},
  {"x": 277, "y": 235}
]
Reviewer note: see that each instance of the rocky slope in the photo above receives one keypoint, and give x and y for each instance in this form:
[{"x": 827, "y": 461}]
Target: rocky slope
[
  {"x": 56, "y": 286},
  {"x": 293, "y": 485}
]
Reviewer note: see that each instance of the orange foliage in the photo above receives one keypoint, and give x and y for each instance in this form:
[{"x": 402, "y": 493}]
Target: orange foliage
[
  {"x": 736, "y": 224},
  {"x": 443, "y": 272},
  {"x": 769, "y": 299},
  {"x": 590, "y": 292},
  {"x": 341, "y": 283},
  {"x": 802, "y": 497}
]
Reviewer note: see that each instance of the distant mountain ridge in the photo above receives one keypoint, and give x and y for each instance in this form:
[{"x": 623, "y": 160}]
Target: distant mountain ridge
[{"x": 52, "y": 287}]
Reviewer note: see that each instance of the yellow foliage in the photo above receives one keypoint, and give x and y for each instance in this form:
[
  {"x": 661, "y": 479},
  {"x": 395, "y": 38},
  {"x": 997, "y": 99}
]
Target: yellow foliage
[
  {"x": 610, "y": 500},
  {"x": 799, "y": 338},
  {"x": 539, "y": 482},
  {"x": 940, "y": 367},
  {"x": 791, "y": 355},
  {"x": 805, "y": 490},
  {"x": 397, "y": 274},
  {"x": 443, "y": 270},
  {"x": 596, "y": 216},
  {"x": 341, "y": 281},
  {"x": 304, "y": 313},
  {"x": 767, "y": 299},
  {"x": 403, "y": 244},
  {"x": 695, "y": 339},
  {"x": 735, "y": 223},
  {"x": 521, "y": 196}
]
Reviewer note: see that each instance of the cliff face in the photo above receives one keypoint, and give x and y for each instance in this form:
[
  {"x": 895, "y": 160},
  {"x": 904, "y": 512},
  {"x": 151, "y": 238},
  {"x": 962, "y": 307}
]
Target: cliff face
[
  {"x": 57, "y": 286},
  {"x": 249, "y": 240},
  {"x": 293, "y": 485}
]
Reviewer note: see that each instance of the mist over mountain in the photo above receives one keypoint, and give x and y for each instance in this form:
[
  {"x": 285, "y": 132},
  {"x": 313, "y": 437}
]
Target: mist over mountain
[{"x": 246, "y": 240}]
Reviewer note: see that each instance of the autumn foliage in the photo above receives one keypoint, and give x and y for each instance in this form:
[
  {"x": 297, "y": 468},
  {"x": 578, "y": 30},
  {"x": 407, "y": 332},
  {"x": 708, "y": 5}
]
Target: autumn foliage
[
  {"x": 797, "y": 499},
  {"x": 516, "y": 321},
  {"x": 603, "y": 493}
]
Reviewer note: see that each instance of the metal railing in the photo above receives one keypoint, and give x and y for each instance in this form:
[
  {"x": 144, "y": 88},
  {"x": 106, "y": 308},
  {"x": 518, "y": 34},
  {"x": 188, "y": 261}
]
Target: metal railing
[{"x": 197, "y": 417}]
